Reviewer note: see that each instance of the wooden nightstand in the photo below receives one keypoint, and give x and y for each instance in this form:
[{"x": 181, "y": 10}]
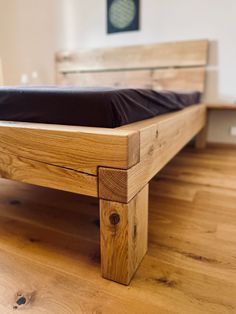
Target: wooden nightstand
[{"x": 201, "y": 139}]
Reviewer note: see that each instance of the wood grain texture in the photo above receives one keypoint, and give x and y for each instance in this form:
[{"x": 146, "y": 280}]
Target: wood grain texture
[
  {"x": 124, "y": 229},
  {"x": 49, "y": 242},
  {"x": 174, "y": 54},
  {"x": 221, "y": 106},
  {"x": 201, "y": 138},
  {"x": 181, "y": 79},
  {"x": 220, "y": 171},
  {"x": 187, "y": 79},
  {"x": 132, "y": 79},
  {"x": 79, "y": 148},
  {"x": 43, "y": 174},
  {"x": 160, "y": 140}
]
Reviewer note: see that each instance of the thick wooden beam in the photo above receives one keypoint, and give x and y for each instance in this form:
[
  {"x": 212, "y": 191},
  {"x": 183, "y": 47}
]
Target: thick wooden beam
[
  {"x": 168, "y": 79},
  {"x": 173, "y": 54},
  {"x": 82, "y": 149},
  {"x": 179, "y": 79},
  {"x": 161, "y": 138},
  {"x": 38, "y": 173},
  {"x": 221, "y": 106},
  {"x": 124, "y": 230}
]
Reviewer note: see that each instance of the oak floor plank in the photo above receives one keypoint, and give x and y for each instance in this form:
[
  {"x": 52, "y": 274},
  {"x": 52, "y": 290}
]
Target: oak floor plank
[
  {"x": 49, "y": 246},
  {"x": 49, "y": 291}
]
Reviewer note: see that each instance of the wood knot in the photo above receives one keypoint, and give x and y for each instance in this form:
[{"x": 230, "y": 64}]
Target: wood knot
[
  {"x": 135, "y": 232},
  {"x": 166, "y": 282},
  {"x": 22, "y": 300},
  {"x": 34, "y": 240},
  {"x": 15, "y": 202},
  {"x": 114, "y": 219},
  {"x": 151, "y": 150},
  {"x": 157, "y": 133}
]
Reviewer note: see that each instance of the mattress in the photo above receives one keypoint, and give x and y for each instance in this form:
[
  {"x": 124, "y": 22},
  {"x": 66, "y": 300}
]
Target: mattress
[{"x": 103, "y": 107}]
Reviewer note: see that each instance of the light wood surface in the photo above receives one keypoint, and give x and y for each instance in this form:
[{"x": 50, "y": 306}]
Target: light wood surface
[
  {"x": 187, "y": 79},
  {"x": 160, "y": 140},
  {"x": 132, "y": 79},
  {"x": 49, "y": 245},
  {"x": 48, "y": 152},
  {"x": 40, "y": 173},
  {"x": 182, "y": 168},
  {"x": 124, "y": 229},
  {"x": 175, "y": 66},
  {"x": 173, "y": 54},
  {"x": 82, "y": 149},
  {"x": 68, "y": 159},
  {"x": 113, "y": 164},
  {"x": 180, "y": 79},
  {"x": 221, "y": 106},
  {"x": 201, "y": 138}
]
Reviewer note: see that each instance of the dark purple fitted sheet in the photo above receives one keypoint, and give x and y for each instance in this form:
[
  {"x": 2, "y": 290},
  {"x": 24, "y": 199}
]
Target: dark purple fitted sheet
[{"x": 107, "y": 107}]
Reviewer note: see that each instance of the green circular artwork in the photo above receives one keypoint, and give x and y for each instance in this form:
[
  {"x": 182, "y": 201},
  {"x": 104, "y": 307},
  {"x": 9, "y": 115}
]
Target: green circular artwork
[{"x": 122, "y": 13}]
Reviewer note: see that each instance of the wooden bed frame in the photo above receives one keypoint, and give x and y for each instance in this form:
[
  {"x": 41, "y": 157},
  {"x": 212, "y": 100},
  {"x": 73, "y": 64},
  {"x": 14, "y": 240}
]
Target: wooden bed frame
[{"x": 114, "y": 165}]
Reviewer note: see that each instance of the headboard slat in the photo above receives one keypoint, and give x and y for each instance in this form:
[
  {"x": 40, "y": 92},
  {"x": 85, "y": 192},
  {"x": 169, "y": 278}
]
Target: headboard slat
[
  {"x": 172, "y": 79},
  {"x": 176, "y": 54},
  {"x": 176, "y": 66}
]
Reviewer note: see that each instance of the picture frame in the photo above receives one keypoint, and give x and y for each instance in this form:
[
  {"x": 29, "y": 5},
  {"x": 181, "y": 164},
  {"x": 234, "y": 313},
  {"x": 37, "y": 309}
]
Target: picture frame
[{"x": 123, "y": 16}]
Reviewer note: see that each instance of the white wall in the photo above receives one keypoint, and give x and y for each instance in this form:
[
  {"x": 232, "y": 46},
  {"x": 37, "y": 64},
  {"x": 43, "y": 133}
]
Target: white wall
[
  {"x": 164, "y": 20},
  {"x": 168, "y": 20},
  {"x": 28, "y": 37},
  {"x": 32, "y": 30}
]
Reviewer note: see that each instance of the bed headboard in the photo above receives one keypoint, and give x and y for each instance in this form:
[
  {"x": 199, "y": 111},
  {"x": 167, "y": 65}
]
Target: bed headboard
[{"x": 174, "y": 66}]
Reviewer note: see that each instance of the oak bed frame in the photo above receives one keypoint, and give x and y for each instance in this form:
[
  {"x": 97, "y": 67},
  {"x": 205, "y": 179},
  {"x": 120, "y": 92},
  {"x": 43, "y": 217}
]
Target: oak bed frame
[{"x": 114, "y": 165}]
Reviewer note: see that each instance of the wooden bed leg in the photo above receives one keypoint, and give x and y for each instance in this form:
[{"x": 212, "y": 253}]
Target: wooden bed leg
[
  {"x": 201, "y": 138},
  {"x": 124, "y": 229}
]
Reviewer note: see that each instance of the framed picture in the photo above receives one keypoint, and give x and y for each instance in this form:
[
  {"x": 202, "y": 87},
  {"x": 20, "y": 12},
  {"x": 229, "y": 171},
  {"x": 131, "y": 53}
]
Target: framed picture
[{"x": 122, "y": 15}]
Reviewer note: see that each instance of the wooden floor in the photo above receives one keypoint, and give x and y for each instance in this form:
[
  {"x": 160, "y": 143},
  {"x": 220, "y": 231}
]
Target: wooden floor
[{"x": 49, "y": 245}]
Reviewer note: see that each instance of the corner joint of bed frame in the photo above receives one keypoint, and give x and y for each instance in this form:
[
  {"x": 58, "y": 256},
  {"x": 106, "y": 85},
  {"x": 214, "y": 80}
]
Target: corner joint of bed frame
[
  {"x": 133, "y": 149},
  {"x": 113, "y": 185}
]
